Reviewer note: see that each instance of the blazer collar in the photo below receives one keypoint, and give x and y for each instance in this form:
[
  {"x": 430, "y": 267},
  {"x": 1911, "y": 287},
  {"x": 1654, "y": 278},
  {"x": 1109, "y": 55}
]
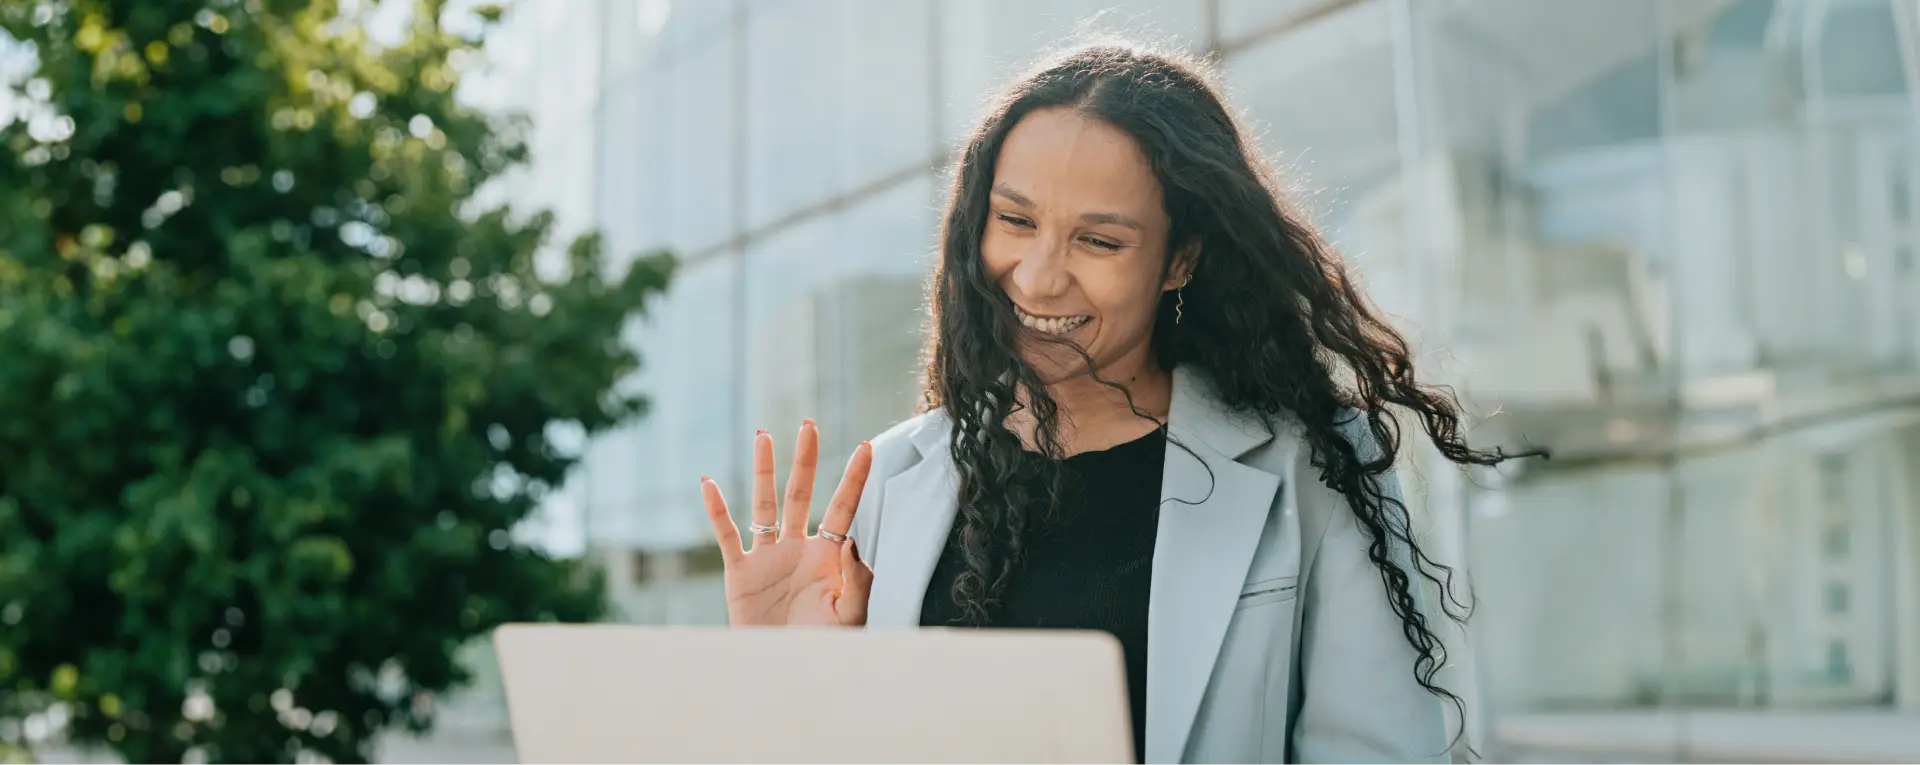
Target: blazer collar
[{"x": 1197, "y": 412}]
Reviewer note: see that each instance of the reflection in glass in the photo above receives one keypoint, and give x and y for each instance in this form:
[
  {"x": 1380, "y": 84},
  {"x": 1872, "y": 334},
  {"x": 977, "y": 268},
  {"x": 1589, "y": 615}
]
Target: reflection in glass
[{"x": 1672, "y": 221}]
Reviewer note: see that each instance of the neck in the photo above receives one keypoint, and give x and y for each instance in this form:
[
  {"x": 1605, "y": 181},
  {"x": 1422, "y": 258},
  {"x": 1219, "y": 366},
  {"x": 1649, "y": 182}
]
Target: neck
[{"x": 1095, "y": 416}]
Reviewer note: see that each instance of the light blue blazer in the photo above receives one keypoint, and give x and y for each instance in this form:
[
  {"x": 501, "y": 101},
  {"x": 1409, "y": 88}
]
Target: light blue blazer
[{"x": 1269, "y": 636}]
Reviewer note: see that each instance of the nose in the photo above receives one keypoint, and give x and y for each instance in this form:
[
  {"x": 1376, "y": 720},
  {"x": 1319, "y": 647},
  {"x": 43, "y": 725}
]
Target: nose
[{"x": 1042, "y": 272}]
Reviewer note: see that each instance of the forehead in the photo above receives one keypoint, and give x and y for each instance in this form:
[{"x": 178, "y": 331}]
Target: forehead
[{"x": 1061, "y": 158}]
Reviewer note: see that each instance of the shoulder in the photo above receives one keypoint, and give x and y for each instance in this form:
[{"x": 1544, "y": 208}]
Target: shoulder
[
  {"x": 1350, "y": 423},
  {"x": 1293, "y": 456},
  {"x": 1291, "y": 445},
  {"x": 900, "y": 446},
  {"x": 1356, "y": 429}
]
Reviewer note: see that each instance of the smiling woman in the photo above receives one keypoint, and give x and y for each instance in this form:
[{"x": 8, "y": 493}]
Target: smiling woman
[
  {"x": 1078, "y": 242},
  {"x": 1156, "y": 406}
]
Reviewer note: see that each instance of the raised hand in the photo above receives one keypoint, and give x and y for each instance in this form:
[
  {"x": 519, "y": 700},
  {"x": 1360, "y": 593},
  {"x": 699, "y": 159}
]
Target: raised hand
[{"x": 789, "y": 577}]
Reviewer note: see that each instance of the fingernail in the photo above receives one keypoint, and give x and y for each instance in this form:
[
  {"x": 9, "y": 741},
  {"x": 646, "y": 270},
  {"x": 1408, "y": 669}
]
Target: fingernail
[
  {"x": 760, "y": 432},
  {"x": 807, "y": 423},
  {"x": 867, "y": 445},
  {"x": 706, "y": 479}
]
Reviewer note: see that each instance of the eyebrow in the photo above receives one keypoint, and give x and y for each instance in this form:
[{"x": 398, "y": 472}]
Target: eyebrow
[
  {"x": 1011, "y": 195},
  {"x": 1114, "y": 218}
]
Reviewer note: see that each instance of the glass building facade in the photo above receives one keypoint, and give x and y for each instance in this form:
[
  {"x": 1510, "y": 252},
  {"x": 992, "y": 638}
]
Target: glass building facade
[{"x": 1672, "y": 240}]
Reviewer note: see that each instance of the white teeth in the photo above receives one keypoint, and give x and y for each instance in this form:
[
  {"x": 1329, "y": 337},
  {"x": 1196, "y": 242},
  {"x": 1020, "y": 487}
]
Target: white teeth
[{"x": 1054, "y": 326}]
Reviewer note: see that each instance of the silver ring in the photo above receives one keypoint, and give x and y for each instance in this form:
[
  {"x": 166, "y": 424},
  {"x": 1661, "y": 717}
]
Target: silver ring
[
  {"x": 759, "y": 530},
  {"x": 832, "y": 536}
]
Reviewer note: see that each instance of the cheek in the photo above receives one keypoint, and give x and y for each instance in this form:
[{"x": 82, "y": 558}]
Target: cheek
[
  {"x": 997, "y": 254},
  {"x": 1116, "y": 305},
  {"x": 1126, "y": 292}
]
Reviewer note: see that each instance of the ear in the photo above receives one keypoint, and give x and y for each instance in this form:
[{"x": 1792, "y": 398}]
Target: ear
[{"x": 1181, "y": 270}]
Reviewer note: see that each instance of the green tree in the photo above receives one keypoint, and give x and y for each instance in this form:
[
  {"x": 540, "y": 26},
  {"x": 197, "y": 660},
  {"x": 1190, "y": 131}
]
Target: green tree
[{"x": 274, "y": 388}]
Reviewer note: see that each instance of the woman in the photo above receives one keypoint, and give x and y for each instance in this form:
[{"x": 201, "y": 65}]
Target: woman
[{"x": 1156, "y": 406}]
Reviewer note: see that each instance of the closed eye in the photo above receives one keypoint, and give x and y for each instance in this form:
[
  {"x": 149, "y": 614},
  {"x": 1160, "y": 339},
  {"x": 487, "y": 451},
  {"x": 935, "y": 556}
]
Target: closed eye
[
  {"x": 1101, "y": 243},
  {"x": 1017, "y": 221}
]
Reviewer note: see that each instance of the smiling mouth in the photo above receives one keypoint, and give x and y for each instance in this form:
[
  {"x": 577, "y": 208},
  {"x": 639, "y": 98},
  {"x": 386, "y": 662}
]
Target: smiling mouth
[{"x": 1059, "y": 325}]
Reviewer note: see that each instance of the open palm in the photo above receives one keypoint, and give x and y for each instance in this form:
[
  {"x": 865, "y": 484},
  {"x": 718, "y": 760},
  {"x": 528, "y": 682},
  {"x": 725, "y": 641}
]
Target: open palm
[{"x": 789, "y": 577}]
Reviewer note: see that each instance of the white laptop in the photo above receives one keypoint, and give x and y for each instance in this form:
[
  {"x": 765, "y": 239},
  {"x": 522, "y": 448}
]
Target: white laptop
[{"x": 606, "y": 693}]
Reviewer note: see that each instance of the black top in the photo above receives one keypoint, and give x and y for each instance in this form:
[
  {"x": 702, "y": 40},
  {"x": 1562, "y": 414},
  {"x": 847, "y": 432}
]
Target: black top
[{"x": 1090, "y": 568}]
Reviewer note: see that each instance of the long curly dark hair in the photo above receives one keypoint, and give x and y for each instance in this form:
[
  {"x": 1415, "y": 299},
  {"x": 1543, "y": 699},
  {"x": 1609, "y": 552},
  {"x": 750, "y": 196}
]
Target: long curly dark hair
[{"x": 1270, "y": 317}]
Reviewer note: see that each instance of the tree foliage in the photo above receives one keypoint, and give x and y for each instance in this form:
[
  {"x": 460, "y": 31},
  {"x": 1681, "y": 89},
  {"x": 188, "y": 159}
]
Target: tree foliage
[{"x": 274, "y": 387}]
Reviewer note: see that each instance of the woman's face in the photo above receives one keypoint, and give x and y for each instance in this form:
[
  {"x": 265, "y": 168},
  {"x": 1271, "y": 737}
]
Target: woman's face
[{"x": 1077, "y": 236}]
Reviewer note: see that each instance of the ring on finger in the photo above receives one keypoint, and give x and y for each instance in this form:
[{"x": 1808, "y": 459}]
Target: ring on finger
[
  {"x": 832, "y": 536},
  {"x": 763, "y": 530}
]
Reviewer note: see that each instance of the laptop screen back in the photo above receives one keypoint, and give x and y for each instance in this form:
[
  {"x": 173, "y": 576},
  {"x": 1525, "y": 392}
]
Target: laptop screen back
[{"x": 640, "y": 694}]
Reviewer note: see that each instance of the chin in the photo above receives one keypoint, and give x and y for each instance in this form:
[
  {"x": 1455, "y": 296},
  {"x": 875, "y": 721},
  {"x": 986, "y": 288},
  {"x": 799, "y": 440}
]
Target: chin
[{"x": 1054, "y": 364}]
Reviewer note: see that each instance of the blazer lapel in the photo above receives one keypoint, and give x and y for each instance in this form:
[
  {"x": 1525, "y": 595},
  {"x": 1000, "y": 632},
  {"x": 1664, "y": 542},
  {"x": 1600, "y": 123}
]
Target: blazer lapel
[
  {"x": 1212, "y": 512},
  {"x": 916, "y": 517}
]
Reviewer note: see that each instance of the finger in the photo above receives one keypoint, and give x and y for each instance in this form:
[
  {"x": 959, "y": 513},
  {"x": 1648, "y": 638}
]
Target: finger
[
  {"x": 857, "y": 585},
  {"x": 766, "y": 505},
  {"x": 846, "y": 499},
  {"x": 806, "y": 458},
  {"x": 723, "y": 530}
]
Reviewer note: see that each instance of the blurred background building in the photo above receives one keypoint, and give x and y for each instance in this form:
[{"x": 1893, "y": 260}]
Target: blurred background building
[{"x": 1674, "y": 240}]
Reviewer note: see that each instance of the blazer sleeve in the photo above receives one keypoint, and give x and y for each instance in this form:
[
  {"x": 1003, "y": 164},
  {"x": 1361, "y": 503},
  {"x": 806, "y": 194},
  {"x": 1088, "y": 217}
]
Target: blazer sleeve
[{"x": 1358, "y": 700}]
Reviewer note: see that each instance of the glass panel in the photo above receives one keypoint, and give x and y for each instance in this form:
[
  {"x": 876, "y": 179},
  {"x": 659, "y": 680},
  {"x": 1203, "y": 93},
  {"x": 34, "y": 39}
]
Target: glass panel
[
  {"x": 885, "y": 71},
  {"x": 557, "y": 87},
  {"x": 1628, "y": 188},
  {"x": 879, "y": 315},
  {"x": 1322, "y": 104},
  {"x": 515, "y": 52},
  {"x": 1541, "y": 198},
  {"x": 1240, "y": 19},
  {"x": 785, "y": 274},
  {"x": 694, "y": 23},
  {"x": 701, "y": 151},
  {"x": 1180, "y": 24},
  {"x": 973, "y": 62},
  {"x": 985, "y": 42},
  {"x": 1571, "y": 595},
  {"x": 1723, "y": 550},
  {"x": 1763, "y": 608},
  {"x": 633, "y": 164},
  {"x": 1859, "y": 51},
  {"x": 693, "y": 413},
  {"x": 796, "y": 116},
  {"x": 1824, "y": 624},
  {"x": 1789, "y": 172},
  {"x": 833, "y": 318},
  {"x": 630, "y": 490},
  {"x": 636, "y": 33}
]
